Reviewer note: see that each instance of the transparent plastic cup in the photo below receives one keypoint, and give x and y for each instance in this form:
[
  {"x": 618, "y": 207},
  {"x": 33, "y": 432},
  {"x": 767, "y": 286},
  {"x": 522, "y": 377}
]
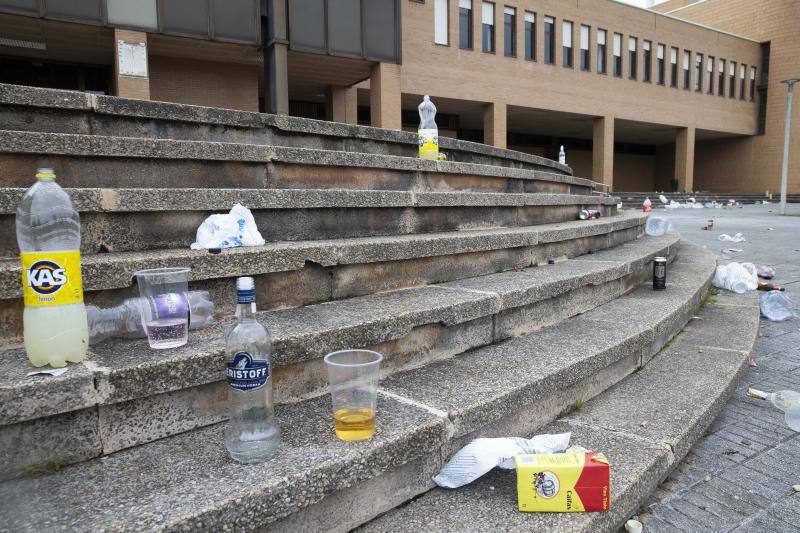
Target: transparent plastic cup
[
  {"x": 353, "y": 377},
  {"x": 164, "y": 306}
]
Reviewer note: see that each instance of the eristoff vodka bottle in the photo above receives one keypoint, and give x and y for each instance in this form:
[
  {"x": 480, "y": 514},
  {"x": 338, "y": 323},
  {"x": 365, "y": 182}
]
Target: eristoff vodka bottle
[{"x": 251, "y": 435}]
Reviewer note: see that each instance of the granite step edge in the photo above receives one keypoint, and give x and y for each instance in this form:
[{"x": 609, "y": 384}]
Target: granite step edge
[
  {"x": 639, "y": 461},
  {"x": 115, "y": 270},
  {"x": 121, "y": 370}
]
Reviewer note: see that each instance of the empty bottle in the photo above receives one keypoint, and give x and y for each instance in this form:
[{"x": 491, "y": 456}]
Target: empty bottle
[
  {"x": 647, "y": 205},
  {"x": 657, "y": 226},
  {"x": 562, "y": 156},
  {"x": 787, "y": 401},
  {"x": 251, "y": 435},
  {"x": 49, "y": 238},
  {"x": 428, "y": 133},
  {"x": 124, "y": 320}
]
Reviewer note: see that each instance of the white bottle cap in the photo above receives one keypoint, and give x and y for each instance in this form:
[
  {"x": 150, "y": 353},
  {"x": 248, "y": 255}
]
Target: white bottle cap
[{"x": 245, "y": 284}]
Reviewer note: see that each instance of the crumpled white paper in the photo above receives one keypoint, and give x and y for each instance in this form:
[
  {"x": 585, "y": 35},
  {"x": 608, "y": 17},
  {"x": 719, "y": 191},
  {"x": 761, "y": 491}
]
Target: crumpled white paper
[
  {"x": 237, "y": 228},
  {"x": 481, "y": 455}
]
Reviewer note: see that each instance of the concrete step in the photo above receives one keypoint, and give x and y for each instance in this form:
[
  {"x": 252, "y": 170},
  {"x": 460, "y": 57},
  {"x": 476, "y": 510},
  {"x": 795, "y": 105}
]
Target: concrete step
[
  {"x": 645, "y": 425},
  {"x": 114, "y": 220},
  {"x": 54, "y": 111},
  {"x": 314, "y": 477},
  {"x": 290, "y": 274},
  {"x": 126, "y": 394},
  {"x": 127, "y": 162}
]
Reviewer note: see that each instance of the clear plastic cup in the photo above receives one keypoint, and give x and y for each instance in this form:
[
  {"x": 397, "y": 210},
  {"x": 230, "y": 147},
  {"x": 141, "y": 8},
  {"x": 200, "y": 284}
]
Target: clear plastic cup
[
  {"x": 164, "y": 306},
  {"x": 353, "y": 377}
]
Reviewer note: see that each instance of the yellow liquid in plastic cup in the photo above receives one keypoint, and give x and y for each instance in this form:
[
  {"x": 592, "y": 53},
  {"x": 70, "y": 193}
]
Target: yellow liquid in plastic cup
[
  {"x": 353, "y": 377},
  {"x": 354, "y": 424}
]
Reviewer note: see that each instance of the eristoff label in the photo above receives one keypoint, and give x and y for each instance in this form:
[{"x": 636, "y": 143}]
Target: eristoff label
[
  {"x": 246, "y": 373},
  {"x": 51, "y": 278}
]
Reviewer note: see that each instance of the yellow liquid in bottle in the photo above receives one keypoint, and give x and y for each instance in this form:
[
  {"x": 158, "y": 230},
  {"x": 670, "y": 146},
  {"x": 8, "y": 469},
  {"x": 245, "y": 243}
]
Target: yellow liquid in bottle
[{"x": 354, "y": 424}]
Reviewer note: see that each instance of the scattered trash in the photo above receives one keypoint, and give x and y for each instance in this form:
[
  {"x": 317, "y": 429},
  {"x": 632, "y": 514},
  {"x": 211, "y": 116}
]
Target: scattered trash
[
  {"x": 660, "y": 274},
  {"x": 589, "y": 214},
  {"x": 736, "y": 238},
  {"x": 734, "y": 250},
  {"x": 564, "y": 482},
  {"x": 736, "y": 277},
  {"x": 442, "y": 156},
  {"x": 657, "y": 226},
  {"x": 237, "y": 228},
  {"x": 647, "y": 205},
  {"x": 776, "y": 306},
  {"x": 709, "y": 225},
  {"x": 663, "y": 199},
  {"x": 746, "y": 442},
  {"x": 562, "y": 156},
  {"x": 619, "y": 205},
  {"x": 633, "y": 526},
  {"x": 769, "y": 287},
  {"x": 787, "y": 401},
  {"x": 55, "y": 372},
  {"x": 124, "y": 320},
  {"x": 707, "y": 478},
  {"x": 481, "y": 455},
  {"x": 765, "y": 271},
  {"x": 770, "y": 229},
  {"x": 765, "y": 202},
  {"x": 796, "y": 488},
  {"x": 644, "y": 423},
  {"x": 753, "y": 363},
  {"x": 428, "y": 132}
]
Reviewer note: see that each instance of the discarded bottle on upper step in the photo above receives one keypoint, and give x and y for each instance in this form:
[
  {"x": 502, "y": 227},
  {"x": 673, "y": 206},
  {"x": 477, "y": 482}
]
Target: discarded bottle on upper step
[
  {"x": 49, "y": 238},
  {"x": 562, "y": 156},
  {"x": 428, "y": 133},
  {"x": 124, "y": 320},
  {"x": 787, "y": 401}
]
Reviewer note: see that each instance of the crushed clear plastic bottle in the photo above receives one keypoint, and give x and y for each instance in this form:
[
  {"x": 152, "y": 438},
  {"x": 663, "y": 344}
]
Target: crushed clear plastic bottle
[
  {"x": 428, "y": 133},
  {"x": 49, "y": 238},
  {"x": 124, "y": 320},
  {"x": 787, "y": 401},
  {"x": 251, "y": 435}
]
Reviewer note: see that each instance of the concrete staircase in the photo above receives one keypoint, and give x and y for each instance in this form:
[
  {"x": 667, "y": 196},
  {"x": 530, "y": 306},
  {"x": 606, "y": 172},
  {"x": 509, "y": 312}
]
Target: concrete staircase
[{"x": 440, "y": 266}]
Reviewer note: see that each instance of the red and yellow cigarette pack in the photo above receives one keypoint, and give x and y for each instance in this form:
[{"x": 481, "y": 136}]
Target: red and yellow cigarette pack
[{"x": 574, "y": 482}]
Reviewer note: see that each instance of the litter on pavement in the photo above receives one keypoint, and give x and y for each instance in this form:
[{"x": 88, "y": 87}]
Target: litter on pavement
[
  {"x": 776, "y": 306},
  {"x": 736, "y": 238},
  {"x": 736, "y": 277},
  {"x": 787, "y": 401},
  {"x": 237, "y": 228}
]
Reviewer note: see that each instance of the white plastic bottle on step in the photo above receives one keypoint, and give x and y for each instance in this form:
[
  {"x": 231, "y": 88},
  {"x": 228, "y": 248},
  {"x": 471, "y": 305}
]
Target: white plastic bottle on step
[
  {"x": 49, "y": 238},
  {"x": 428, "y": 133}
]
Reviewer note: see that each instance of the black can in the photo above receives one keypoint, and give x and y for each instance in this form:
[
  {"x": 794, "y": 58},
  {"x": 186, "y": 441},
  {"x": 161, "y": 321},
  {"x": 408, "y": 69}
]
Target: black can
[{"x": 659, "y": 273}]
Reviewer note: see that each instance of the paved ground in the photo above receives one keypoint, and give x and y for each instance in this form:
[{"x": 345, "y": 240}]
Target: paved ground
[{"x": 739, "y": 477}]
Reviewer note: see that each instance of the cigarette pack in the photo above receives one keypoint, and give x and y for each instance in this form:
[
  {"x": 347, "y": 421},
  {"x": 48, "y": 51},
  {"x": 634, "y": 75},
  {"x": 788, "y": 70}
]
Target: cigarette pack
[{"x": 563, "y": 482}]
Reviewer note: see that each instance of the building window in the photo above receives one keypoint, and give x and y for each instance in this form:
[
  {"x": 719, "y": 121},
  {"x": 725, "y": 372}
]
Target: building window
[
  {"x": 465, "y": 24},
  {"x": 549, "y": 40},
  {"x": 673, "y": 67},
  {"x": 566, "y": 41},
  {"x": 732, "y": 82},
  {"x": 687, "y": 58},
  {"x": 660, "y": 64},
  {"x": 710, "y": 74},
  {"x": 698, "y": 73},
  {"x": 510, "y": 31},
  {"x": 721, "y": 80},
  {"x": 488, "y": 27},
  {"x": 440, "y": 21},
  {"x": 752, "y": 84},
  {"x": 530, "y": 36},
  {"x": 617, "y": 52},
  {"x": 632, "y": 57},
  {"x": 646, "y": 60},
  {"x": 585, "y": 57},
  {"x": 601, "y": 51},
  {"x": 742, "y": 71}
]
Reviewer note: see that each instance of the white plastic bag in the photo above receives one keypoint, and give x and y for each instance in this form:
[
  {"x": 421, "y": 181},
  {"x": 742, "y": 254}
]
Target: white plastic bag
[
  {"x": 237, "y": 228},
  {"x": 776, "y": 306},
  {"x": 663, "y": 199},
  {"x": 736, "y": 277},
  {"x": 736, "y": 238},
  {"x": 481, "y": 455}
]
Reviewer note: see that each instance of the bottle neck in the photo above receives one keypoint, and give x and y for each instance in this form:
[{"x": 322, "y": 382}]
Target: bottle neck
[{"x": 246, "y": 312}]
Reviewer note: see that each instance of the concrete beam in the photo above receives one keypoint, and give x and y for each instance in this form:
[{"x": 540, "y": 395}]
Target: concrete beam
[
  {"x": 603, "y": 151},
  {"x": 684, "y": 159}
]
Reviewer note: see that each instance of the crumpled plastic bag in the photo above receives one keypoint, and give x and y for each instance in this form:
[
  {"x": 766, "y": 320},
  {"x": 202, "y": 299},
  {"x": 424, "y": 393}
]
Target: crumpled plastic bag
[
  {"x": 736, "y": 238},
  {"x": 765, "y": 272},
  {"x": 237, "y": 228},
  {"x": 736, "y": 277},
  {"x": 776, "y": 306},
  {"x": 663, "y": 199},
  {"x": 481, "y": 455}
]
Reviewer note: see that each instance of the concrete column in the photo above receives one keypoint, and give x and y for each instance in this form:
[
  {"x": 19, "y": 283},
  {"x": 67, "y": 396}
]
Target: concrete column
[
  {"x": 131, "y": 70},
  {"x": 341, "y": 104},
  {"x": 684, "y": 159},
  {"x": 494, "y": 124},
  {"x": 477, "y": 25},
  {"x": 384, "y": 96},
  {"x": 603, "y": 151},
  {"x": 275, "y": 35}
]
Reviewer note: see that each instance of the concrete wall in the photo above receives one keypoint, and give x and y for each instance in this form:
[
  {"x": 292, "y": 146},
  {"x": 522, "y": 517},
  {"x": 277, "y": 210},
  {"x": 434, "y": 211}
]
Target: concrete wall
[
  {"x": 754, "y": 165},
  {"x": 206, "y": 83}
]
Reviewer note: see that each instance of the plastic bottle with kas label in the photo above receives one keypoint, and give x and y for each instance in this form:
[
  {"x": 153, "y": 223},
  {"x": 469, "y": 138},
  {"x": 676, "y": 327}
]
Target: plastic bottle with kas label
[
  {"x": 49, "y": 238},
  {"x": 428, "y": 133}
]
